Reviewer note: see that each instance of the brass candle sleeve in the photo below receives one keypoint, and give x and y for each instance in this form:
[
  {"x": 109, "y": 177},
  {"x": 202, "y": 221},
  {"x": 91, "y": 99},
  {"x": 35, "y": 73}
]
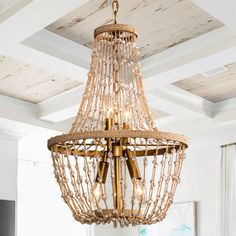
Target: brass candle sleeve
[
  {"x": 132, "y": 165},
  {"x": 109, "y": 123},
  {"x": 117, "y": 152},
  {"x": 102, "y": 172}
]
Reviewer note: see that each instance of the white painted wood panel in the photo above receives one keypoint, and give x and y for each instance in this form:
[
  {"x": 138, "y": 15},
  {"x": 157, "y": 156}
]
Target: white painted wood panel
[
  {"x": 29, "y": 83},
  {"x": 214, "y": 88},
  {"x": 162, "y": 24}
]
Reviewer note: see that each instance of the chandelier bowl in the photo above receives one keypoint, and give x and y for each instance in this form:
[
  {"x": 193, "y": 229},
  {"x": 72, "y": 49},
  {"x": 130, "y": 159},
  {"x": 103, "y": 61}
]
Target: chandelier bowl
[{"x": 76, "y": 159}]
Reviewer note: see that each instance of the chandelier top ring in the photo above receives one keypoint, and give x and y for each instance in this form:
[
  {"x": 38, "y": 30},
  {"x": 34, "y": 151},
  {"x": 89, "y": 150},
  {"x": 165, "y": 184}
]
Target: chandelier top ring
[{"x": 115, "y": 27}]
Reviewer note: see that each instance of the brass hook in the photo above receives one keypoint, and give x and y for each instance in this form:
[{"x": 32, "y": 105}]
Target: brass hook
[{"x": 115, "y": 8}]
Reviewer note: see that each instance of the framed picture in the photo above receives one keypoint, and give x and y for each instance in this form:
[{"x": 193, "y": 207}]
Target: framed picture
[{"x": 180, "y": 221}]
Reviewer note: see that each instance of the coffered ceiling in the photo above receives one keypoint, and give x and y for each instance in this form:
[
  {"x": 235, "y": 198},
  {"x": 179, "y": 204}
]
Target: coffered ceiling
[
  {"x": 46, "y": 47},
  {"x": 161, "y": 24}
]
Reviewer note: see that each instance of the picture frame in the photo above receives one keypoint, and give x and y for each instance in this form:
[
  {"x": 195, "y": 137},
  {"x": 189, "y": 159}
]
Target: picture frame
[{"x": 180, "y": 221}]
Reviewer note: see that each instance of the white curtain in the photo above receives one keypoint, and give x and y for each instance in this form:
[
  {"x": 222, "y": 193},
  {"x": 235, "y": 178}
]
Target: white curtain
[{"x": 227, "y": 192}]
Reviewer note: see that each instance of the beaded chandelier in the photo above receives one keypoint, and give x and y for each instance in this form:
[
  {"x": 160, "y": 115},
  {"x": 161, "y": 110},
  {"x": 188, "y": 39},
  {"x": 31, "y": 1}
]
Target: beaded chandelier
[{"x": 114, "y": 165}]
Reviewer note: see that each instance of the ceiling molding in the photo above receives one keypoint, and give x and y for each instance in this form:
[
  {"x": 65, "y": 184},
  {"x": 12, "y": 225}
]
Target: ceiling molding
[
  {"x": 62, "y": 48},
  {"x": 21, "y": 112},
  {"x": 167, "y": 120},
  {"x": 34, "y": 17},
  {"x": 168, "y": 104},
  {"x": 189, "y": 102},
  {"x": 62, "y": 106},
  {"x": 226, "y": 104}
]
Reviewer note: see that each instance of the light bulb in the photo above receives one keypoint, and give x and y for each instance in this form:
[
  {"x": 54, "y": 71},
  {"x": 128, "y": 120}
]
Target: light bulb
[
  {"x": 126, "y": 117},
  {"x": 97, "y": 192},
  {"x": 109, "y": 112},
  {"x": 139, "y": 191}
]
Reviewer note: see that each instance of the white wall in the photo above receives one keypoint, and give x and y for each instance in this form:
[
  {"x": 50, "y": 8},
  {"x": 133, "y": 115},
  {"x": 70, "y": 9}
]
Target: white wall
[
  {"x": 41, "y": 210},
  {"x": 8, "y": 167},
  {"x": 198, "y": 183}
]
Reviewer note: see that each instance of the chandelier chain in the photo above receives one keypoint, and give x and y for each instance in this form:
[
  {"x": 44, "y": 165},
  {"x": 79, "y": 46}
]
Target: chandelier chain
[{"x": 115, "y": 9}]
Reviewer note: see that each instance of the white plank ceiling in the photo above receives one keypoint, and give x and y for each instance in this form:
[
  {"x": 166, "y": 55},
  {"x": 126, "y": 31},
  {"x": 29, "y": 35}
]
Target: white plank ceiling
[
  {"x": 214, "y": 88},
  {"x": 29, "y": 83},
  {"x": 162, "y": 24}
]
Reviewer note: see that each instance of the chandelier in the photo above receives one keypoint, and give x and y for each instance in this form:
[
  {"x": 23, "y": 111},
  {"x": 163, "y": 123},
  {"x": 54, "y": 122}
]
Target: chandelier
[{"x": 114, "y": 165}]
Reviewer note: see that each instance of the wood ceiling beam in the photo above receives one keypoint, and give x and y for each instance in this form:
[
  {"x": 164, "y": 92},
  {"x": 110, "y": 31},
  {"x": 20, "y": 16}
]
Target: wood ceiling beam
[
  {"x": 62, "y": 106},
  {"x": 61, "y": 48},
  {"x": 224, "y": 120},
  {"x": 167, "y": 120},
  {"x": 177, "y": 101},
  {"x": 15, "y": 113},
  {"x": 35, "y": 16}
]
